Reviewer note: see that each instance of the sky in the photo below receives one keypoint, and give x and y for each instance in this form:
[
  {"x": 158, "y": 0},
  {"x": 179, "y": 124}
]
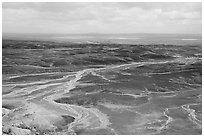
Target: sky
[{"x": 107, "y": 17}]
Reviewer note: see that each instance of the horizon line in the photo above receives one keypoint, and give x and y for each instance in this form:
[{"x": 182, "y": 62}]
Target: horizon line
[{"x": 99, "y": 33}]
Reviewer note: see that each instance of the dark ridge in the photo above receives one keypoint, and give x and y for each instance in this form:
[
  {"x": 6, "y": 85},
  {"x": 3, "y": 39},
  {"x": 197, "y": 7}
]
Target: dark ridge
[
  {"x": 156, "y": 56},
  {"x": 94, "y": 99},
  {"x": 68, "y": 119},
  {"x": 7, "y": 106}
]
